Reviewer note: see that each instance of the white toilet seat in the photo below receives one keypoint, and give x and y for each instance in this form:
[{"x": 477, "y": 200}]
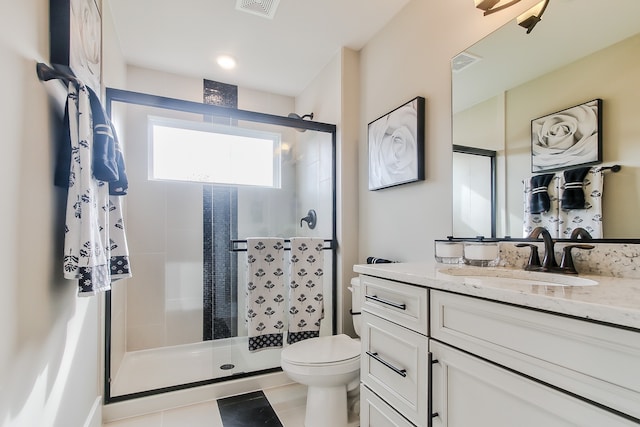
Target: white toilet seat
[
  {"x": 326, "y": 351},
  {"x": 323, "y": 356}
]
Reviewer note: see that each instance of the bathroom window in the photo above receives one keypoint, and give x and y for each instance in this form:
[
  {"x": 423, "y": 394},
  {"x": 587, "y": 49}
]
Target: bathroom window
[{"x": 181, "y": 150}]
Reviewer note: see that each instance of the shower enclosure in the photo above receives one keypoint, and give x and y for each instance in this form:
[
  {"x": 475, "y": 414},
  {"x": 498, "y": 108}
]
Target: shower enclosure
[{"x": 202, "y": 179}]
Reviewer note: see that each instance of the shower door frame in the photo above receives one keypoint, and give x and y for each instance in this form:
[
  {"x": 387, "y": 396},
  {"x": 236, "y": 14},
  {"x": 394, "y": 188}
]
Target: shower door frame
[{"x": 148, "y": 100}]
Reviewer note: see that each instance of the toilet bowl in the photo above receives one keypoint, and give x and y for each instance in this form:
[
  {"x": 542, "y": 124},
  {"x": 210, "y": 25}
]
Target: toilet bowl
[{"x": 329, "y": 367}]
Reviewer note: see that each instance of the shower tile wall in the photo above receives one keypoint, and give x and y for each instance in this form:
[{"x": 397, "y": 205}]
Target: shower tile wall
[
  {"x": 164, "y": 223},
  {"x": 314, "y": 191},
  {"x": 220, "y": 291},
  {"x": 164, "y": 299}
]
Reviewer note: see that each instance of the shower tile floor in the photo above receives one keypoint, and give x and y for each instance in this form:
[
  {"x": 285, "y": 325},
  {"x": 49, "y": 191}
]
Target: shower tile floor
[{"x": 288, "y": 402}]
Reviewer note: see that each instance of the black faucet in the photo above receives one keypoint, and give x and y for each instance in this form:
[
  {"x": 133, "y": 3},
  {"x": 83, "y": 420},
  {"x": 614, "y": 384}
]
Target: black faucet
[
  {"x": 549, "y": 260},
  {"x": 580, "y": 233},
  {"x": 549, "y": 263}
]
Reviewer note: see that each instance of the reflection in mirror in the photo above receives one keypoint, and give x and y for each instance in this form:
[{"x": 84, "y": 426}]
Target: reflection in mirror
[
  {"x": 474, "y": 192},
  {"x": 509, "y": 78}
]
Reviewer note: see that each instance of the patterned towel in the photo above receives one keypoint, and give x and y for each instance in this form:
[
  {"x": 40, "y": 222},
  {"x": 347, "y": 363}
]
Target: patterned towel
[
  {"x": 265, "y": 292},
  {"x": 589, "y": 196},
  {"x": 95, "y": 247},
  {"x": 306, "y": 301}
]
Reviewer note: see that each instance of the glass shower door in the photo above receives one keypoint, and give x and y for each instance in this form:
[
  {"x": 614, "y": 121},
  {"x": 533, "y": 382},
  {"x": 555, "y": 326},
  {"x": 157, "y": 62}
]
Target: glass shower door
[{"x": 180, "y": 320}]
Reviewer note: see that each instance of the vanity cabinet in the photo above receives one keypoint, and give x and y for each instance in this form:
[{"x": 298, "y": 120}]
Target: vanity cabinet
[
  {"x": 394, "y": 360},
  {"x": 436, "y": 357},
  {"x": 501, "y": 365}
]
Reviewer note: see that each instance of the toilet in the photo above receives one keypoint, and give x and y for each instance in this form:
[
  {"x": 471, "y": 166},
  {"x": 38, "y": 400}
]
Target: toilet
[{"x": 329, "y": 367}]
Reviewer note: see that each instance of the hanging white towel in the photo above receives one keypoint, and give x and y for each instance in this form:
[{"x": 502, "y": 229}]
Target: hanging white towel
[
  {"x": 93, "y": 225},
  {"x": 306, "y": 300},
  {"x": 265, "y": 292},
  {"x": 589, "y": 218},
  {"x": 550, "y": 219},
  {"x": 119, "y": 250}
]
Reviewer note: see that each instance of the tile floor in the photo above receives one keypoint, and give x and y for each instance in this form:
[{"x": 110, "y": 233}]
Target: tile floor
[{"x": 288, "y": 402}]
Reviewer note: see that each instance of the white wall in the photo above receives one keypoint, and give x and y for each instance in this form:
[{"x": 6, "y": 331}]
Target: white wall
[
  {"x": 49, "y": 338},
  {"x": 411, "y": 57}
]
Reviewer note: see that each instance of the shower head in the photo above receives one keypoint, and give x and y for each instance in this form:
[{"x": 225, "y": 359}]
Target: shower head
[
  {"x": 306, "y": 116},
  {"x": 296, "y": 116}
]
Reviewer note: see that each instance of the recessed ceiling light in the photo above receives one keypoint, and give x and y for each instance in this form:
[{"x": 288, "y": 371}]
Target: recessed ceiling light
[{"x": 227, "y": 62}]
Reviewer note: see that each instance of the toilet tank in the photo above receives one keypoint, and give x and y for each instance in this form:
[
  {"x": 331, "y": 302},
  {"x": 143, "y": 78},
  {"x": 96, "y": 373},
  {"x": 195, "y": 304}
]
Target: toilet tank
[{"x": 356, "y": 304}]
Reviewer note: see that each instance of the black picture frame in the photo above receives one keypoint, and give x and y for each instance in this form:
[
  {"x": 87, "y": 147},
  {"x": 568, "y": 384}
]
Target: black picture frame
[
  {"x": 75, "y": 44},
  {"x": 568, "y": 138},
  {"x": 396, "y": 146}
]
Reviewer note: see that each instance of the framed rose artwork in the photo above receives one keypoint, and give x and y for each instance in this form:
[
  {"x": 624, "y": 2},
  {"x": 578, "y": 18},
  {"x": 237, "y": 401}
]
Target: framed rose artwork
[
  {"x": 568, "y": 138},
  {"x": 396, "y": 146},
  {"x": 76, "y": 39}
]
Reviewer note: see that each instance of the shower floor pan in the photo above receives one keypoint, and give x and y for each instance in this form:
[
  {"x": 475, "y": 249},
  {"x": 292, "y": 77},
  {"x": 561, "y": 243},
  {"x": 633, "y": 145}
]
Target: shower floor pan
[{"x": 157, "y": 368}]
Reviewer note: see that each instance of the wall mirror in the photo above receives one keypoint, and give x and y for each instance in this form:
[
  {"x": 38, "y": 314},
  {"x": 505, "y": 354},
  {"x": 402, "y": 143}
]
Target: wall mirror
[{"x": 582, "y": 50}]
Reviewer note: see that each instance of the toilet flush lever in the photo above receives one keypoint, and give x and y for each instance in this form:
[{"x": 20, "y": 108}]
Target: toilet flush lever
[{"x": 311, "y": 219}]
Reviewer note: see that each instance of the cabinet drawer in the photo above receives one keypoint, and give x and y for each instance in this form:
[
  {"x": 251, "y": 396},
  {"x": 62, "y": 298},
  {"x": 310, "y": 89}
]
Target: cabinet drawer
[
  {"x": 400, "y": 303},
  {"x": 594, "y": 361},
  {"x": 374, "y": 412},
  {"x": 394, "y": 366}
]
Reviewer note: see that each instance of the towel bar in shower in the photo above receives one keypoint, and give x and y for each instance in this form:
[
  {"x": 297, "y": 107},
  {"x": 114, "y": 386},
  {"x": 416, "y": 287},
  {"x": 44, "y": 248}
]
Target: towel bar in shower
[{"x": 240, "y": 245}]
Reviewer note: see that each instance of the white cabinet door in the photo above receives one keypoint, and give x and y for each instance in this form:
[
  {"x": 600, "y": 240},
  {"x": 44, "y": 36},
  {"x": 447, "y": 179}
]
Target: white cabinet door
[
  {"x": 468, "y": 391},
  {"x": 594, "y": 361}
]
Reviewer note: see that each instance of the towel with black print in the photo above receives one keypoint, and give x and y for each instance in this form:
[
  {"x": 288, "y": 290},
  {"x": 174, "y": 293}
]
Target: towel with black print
[{"x": 306, "y": 298}]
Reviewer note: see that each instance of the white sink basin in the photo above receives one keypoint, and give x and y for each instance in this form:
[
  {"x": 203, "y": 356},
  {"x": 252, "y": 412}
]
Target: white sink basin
[{"x": 478, "y": 275}]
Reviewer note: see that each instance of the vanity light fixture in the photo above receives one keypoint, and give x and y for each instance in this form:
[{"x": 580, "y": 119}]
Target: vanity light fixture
[
  {"x": 492, "y": 6},
  {"x": 531, "y": 17}
]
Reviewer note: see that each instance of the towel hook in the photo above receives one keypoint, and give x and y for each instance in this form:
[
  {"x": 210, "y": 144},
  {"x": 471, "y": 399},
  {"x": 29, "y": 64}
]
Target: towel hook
[{"x": 311, "y": 219}]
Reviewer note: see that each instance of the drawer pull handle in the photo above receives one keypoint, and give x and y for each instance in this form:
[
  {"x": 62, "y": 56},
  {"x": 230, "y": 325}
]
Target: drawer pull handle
[
  {"x": 401, "y": 372},
  {"x": 384, "y": 301}
]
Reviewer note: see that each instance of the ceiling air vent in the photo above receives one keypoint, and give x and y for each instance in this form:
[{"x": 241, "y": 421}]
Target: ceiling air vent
[
  {"x": 462, "y": 61},
  {"x": 264, "y": 8}
]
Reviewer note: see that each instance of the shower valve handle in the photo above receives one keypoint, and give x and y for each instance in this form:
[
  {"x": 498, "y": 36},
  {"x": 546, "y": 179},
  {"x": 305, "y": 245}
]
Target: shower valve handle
[{"x": 311, "y": 219}]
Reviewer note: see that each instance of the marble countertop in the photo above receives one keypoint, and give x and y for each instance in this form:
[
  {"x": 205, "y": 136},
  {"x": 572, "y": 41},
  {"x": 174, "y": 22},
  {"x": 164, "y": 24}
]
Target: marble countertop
[{"x": 613, "y": 300}]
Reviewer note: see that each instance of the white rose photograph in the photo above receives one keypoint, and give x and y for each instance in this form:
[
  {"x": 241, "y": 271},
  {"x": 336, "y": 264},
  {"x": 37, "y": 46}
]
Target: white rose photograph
[
  {"x": 568, "y": 138},
  {"x": 396, "y": 146}
]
